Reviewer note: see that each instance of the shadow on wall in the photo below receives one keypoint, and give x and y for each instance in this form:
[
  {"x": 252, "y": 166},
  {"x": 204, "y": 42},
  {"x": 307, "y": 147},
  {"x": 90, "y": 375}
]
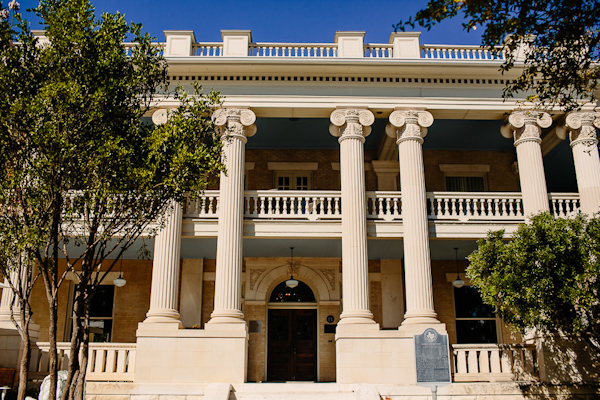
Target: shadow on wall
[{"x": 569, "y": 368}]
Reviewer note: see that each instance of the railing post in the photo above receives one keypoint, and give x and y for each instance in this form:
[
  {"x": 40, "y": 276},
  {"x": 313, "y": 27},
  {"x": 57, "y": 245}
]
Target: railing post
[
  {"x": 350, "y": 44},
  {"x": 406, "y": 44},
  {"x": 179, "y": 43},
  {"x": 236, "y": 43}
]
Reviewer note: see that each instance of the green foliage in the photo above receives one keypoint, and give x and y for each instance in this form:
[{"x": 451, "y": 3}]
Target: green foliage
[
  {"x": 547, "y": 277},
  {"x": 561, "y": 38},
  {"x": 82, "y": 175}
]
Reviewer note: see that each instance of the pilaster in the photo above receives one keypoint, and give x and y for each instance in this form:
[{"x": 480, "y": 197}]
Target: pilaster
[
  {"x": 409, "y": 128},
  {"x": 584, "y": 144},
  {"x": 351, "y": 126},
  {"x": 236, "y": 125},
  {"x": 525, "y": 127}
]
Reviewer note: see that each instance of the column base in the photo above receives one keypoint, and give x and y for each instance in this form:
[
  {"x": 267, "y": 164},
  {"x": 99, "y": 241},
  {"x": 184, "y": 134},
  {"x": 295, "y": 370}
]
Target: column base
[
  {"x": 420, "y": 317},
  {"x": 227, "y": 317},
  {"x": 164, "y": 316},
  {"x": 356, "y": 317}
]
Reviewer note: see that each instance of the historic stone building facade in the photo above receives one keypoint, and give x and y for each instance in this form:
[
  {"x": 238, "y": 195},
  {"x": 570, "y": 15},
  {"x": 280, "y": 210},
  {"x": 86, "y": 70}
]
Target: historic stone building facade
[{"x": 380, "y": 165}]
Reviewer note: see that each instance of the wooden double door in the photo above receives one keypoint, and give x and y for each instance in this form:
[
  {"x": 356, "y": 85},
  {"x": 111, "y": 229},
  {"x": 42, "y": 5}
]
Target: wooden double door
[{"x": 292, "y": 351}]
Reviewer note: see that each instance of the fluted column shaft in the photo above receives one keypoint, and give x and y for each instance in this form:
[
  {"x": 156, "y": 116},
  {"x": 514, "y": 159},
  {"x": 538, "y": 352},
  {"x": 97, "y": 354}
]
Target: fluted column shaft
[
  {"x": 409, "y": 128},
  {"x": 165, "y": 270},
  {"x": 236, "y": 125},
  {"x": 582, "y": 127},
  {"x": 7, "y": 299},
  {"x": 352, "y": 126},
  {"x": 525, "y": 128}
]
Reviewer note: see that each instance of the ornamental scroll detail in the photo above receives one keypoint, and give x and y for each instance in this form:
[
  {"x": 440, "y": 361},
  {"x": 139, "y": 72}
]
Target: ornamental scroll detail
[
  {"x": 525, "y": 126},
  {"x": 351, "y": 123},
  {"x": 581, "y": 127},
  {"x": 235, "y": 122},
  {"x": 408, "y": 125}
]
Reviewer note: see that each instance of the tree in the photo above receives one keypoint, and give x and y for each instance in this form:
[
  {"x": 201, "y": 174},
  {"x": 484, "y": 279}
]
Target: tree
[
  {"x": 561, "y": 40},
  {"x": 82, "y": 176},
  {"x": 546, "y": 278}
]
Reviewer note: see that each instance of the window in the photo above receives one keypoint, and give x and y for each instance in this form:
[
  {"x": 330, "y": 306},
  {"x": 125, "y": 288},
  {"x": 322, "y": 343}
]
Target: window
[
  {"x": 465, "y": 184},
  {"x": 475, "y": 320},
  {"x": 465, "y": 177},
  {"x": 293, "y": 181},
  {"x": 101, "y": 314}
]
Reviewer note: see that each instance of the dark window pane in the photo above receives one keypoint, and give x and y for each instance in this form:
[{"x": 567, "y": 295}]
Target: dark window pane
[
  {"x": 465, "y": 184},
  {"x": 100, "y": 330},
  {"x": 469, "y": 304},
  {"x": 102, "y": 301},
  {"x": 301, "y": 293},
  {"x": 476, "y": 331}
]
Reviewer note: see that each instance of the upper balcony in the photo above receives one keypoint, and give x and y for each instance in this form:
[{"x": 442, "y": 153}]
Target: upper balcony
[{"x": 317, "y": 213}]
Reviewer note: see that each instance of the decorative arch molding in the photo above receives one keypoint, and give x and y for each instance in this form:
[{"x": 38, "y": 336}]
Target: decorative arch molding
[{"x": 314, "y": 280}]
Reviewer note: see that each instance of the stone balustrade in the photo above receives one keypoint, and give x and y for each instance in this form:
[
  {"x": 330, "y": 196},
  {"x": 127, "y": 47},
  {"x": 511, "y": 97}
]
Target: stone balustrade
[
  {"x": 494, "y": 363},
  {"x": 402, "y": 45},
  {"x": 106, "y": 361},
  {"x": 315, "y": 205}
]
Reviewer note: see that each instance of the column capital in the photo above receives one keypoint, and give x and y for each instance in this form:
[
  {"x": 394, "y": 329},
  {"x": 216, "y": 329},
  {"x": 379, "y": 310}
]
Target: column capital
[
  {"x": 409, "y": 125},
  {"x": 525, "y": 126},
  {"x": 581, "y": 127},
  {"x": 239, "y": 122},
  {"x": 351, "y": 123}
]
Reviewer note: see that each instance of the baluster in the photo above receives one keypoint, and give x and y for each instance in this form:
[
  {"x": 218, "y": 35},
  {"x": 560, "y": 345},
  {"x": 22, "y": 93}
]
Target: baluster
[
  {"x": 446, "y": 206},
  {"x": 262, "y": 205},
  {"x": 100, "y": 357},
  {"x": 453, "y": 210},
  {"x": 495, "y": 361},
  {"x": 322, "y": 206},
  {"x": 472, "y": 363},
  {"x": 328, "y": 206},
  {"x": 337, "y": 206},
  {"x": 121, "y": 361},
  {"x": 110, "y": 361},
  {"x": 464, "y": 207},
  {"x": 396, "y": 211},
  {"x": 380, "y": 211},
  {"x": 461, "y": 361},
  {"x": 388, "y": 205},
  {"x": 496, "y": 209},
  {"x": 246, "y": 205},
  {"x": 484, "y": 362},
  {"x": 278, "y": 205},
  {"x": 505, "y": 362}
]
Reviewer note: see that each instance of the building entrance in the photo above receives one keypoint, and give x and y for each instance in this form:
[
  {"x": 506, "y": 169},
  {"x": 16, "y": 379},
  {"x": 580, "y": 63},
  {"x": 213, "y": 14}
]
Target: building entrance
[{"x": 292, "y": 337}]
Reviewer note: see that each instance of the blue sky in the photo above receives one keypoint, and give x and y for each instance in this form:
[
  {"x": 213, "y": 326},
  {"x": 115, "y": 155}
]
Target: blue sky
[{"x": 311, "y": 21}]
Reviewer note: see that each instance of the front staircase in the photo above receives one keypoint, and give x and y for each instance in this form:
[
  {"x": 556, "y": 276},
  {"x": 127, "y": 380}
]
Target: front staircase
[{"x": 301, "y": 391}]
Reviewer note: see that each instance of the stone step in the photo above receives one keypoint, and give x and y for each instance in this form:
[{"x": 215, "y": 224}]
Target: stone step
[{"x": 294, "y": 396}]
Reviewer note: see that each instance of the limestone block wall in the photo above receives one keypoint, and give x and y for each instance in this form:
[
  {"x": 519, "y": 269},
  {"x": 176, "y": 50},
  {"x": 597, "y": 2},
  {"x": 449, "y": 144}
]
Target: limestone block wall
[
  {"x": 130, "y": 305},
  {"x": 500, "y": 178}
]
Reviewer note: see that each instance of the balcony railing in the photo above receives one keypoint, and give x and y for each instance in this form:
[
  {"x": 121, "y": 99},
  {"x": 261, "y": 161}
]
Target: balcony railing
[
  {"x": 381, "y": 206},
  {"x": 106, "y": 362},
  {"x": 493, "y": 363}
]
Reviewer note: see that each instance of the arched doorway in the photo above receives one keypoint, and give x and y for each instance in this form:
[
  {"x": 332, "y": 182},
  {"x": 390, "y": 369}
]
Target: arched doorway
[{"x": 292, "y": 337}]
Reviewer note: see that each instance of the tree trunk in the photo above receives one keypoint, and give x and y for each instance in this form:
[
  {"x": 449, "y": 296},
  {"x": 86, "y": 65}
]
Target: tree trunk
[
  {"x": 73, "y": 367},
  {"x": 85, "y": 344},
  {"x": 26, "y": 355}
]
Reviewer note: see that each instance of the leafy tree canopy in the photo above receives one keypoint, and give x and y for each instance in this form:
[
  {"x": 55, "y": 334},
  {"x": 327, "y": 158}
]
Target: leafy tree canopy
[
  {"x": 82, "y": 173},
  {"x": 560, "y": 38},
  {"x": 547, "y": 277}
]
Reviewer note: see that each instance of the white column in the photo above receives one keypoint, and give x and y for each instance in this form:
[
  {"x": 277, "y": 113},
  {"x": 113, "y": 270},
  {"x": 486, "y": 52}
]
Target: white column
[
  {"x": 238, "y": 124},
  {"x": 582, "y": 127},
  {"x": 526, "y": 127},
  {"x": 5, "y": 302},
  {"x": 352, "y": 126},
  {"x": 409, "y": 128},
  {"x": 165, "y": 271}
]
